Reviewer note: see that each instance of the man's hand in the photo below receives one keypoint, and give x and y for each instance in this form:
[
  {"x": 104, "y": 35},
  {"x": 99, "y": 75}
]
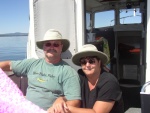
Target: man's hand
[
  {"x": 61, "y": 105},
  {"x": 59, "y": 108}
]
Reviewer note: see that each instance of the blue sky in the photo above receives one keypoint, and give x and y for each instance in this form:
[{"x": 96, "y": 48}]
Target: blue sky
[{"x": 14, "y": 16}]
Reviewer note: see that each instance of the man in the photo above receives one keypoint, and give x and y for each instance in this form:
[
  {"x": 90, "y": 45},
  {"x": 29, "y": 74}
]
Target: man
[
  {"x": 49, "y": 77},
  {"x": 99, "y": 89}
]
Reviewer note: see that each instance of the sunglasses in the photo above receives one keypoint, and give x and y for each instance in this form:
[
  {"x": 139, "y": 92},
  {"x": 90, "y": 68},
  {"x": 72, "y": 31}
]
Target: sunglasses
[
  {"x": 90, "y": 60},
  {"x": 49, "y": 44}
]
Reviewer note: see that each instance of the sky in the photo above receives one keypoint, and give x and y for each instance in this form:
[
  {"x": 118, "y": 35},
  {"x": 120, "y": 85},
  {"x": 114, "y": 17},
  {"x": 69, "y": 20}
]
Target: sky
[{"x": 14, "y": 16}]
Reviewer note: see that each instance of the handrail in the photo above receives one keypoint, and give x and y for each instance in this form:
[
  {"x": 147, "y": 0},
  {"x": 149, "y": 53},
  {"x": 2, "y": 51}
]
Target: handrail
[{"x": 144, "y": 86}]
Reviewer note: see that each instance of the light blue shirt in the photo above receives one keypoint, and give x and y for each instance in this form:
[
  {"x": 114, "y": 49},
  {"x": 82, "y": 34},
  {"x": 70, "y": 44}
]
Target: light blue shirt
[{"x": 47, "y": 82}]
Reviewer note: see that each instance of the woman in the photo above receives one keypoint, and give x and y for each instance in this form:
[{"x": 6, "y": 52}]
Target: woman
[{"x": 100, "y": 89}]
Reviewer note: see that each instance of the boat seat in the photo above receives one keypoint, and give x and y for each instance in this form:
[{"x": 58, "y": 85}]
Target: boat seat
[
  {"x": 131, "y": 93},
  {"x": 22, "y": 82}
]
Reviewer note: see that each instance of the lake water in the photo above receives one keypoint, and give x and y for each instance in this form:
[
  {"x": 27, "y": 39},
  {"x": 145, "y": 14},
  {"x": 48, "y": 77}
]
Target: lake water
[{"x": 13, "y": 48}]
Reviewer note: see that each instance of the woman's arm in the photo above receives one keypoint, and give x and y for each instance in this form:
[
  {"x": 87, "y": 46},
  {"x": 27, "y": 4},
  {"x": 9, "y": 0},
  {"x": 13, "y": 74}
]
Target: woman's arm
[{"x": 99, "y": 107}]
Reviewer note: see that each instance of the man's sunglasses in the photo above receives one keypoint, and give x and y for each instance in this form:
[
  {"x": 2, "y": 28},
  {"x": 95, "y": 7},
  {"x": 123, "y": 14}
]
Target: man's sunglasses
[
  {"x": 48, "y": 44},
  {"x": 90, "y": 60}
]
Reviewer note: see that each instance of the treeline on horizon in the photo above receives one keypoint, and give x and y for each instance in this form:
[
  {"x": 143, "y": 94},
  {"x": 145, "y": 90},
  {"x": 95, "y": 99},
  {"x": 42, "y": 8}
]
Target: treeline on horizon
[{"x": 14, "y": 34}]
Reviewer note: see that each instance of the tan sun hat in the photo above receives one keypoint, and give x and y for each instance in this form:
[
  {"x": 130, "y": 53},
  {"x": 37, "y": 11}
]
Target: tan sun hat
[
  {"x": 89, "y": 50},
  {"x": 53, "y": 34}
]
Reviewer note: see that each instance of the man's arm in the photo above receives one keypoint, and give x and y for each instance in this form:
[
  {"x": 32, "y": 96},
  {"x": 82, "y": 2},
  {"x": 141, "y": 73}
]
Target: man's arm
[
  {"x": 5, "y": 65},
  {"x": 75, "y": 103},
  {"x": 60, "y": 103}
]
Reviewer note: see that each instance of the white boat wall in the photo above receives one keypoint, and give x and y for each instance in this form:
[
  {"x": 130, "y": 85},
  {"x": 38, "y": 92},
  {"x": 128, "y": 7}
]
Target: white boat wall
[{"x": 52, "y": 14}]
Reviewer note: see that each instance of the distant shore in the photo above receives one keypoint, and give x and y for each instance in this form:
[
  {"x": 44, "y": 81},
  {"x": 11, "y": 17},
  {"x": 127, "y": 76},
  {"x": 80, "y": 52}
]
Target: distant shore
[{"x": 13, "y": 34}]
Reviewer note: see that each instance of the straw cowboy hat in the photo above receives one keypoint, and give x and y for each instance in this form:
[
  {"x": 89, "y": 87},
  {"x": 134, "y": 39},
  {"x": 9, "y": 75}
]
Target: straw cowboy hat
[
  {"x": 89, "y": 50},
  {"x": 53, "y": 34}
]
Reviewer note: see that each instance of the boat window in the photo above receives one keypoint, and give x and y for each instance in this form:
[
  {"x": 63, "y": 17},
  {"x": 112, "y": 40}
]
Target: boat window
[
  {"x": 130, "y": 16},
  {"x": 104, "y": 19},
  {"x": 88, "y": 24}
]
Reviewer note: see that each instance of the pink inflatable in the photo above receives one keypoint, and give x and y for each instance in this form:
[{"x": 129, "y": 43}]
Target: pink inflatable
[{"x": 12, "y": 99}]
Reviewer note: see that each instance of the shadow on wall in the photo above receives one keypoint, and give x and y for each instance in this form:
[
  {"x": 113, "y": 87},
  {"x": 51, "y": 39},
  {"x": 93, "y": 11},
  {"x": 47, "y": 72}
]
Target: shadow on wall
[{"x": 66, "y": 55}]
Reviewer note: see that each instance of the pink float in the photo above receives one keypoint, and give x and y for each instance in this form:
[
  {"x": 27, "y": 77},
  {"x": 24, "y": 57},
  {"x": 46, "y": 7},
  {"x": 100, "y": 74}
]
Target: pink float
[{"x": 12, "y": 99}]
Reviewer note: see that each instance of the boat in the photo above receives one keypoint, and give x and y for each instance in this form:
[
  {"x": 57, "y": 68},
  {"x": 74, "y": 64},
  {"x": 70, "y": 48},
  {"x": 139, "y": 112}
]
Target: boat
[{"x": 123, "y": 23}]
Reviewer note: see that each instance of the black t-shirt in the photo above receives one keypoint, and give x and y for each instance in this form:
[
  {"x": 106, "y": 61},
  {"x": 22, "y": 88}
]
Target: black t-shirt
[{"x": 107, "y": 89}]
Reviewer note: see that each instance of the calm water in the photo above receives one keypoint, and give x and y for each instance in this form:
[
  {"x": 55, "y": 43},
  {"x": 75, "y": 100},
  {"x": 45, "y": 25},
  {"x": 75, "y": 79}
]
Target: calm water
[{"x": 13, "y": 48}]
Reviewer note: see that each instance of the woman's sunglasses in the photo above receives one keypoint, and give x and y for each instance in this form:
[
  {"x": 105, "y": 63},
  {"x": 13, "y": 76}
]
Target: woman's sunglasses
[
  {"x": 90, "y": 60},
  {"x": 48, "y": 44}
]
